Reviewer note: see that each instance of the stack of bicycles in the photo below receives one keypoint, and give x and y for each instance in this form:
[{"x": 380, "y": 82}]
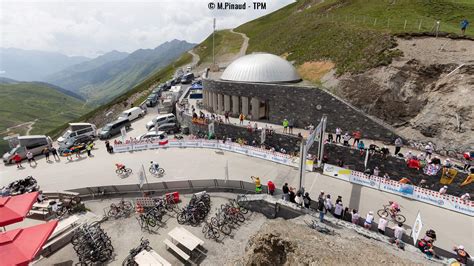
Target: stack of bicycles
[
  {"x": 129, "y": 260},
  {"x": 197, "y": 209},
  {"x": 154, "y": 215},
  {"x": 121, "y": 209},
  {"x": 92, "y": 244},
  {"x": 229, "y": 215}
]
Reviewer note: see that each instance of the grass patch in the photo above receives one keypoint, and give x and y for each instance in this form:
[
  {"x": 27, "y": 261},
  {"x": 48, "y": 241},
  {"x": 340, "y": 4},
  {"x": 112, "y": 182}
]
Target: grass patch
[
  {"x": 225, "y": 42},
  {"x": 354, "y": 34}
]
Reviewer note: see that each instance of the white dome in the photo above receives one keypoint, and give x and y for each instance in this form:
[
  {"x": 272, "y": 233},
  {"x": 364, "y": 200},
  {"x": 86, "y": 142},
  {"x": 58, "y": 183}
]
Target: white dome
[{"x": 261, "y": 67}]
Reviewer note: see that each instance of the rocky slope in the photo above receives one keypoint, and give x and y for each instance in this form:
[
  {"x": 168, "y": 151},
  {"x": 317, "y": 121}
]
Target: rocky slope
[{"x": 426, "y": 93}]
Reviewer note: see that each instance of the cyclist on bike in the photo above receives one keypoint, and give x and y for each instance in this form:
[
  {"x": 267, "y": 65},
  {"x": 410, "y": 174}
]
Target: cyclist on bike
[
  {"x": 120, "y": 166},
  {"x": 155, "y": 165},
  {"x": 394, "y": 208}
]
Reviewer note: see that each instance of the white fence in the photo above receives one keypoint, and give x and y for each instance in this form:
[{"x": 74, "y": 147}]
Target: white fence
[
  {"x": 214, "y": 144},
  {"x": 405, "y": 190}
]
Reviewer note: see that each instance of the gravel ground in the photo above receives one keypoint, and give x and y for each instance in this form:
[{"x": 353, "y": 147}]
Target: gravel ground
[{"x": 125, "y": 234}]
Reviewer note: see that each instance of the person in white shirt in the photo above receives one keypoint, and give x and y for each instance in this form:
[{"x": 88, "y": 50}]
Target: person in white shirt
[
  {"x": 443, "y": 190},
  {"x": 382, "y": 224},
  {"x": 398, "y": 231},
  {"x": 355, "y": 217},
  {"x": 421, "y": 157},
  {"x": 368, "y": 220},
  {"x": 466, "y": 197},
  {"x": 338, "y": 134},
  {"x": 428, "y": 150},
  {"x": 299, "y": 199},
  {"x": 346, "y": 139},
  {"x": 338, "y": 208},
  {"x": 328, "y": 203}
]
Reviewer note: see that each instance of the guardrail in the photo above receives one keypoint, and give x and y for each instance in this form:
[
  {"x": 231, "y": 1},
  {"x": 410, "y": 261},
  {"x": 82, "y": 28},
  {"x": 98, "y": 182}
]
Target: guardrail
[
  {"x": 182, "y": 186},
  {"x": 449, "y": 202},
  {"x": 256, "y": 152}
]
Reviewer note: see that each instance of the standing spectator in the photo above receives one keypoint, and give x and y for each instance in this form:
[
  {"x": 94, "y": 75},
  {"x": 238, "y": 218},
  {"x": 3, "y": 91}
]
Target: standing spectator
[
  {"x": 271, "y": 187},
  {"x": 368, "y": 220},
  {"x": 55, "y": 153},
  {"x": 258, "y": 184},
  {"x": 466, "y": 197},
  {"x": 286, "y": 192},
  {"x": 428, "y": 150},
  {"x": 299, "y": 199},
  {"x": 328, "y": 203},
  {"x": 226, "y": 116},
  {"x": 346, "y": 139},
  {"x": 361, "y": 147},
  {"x": 321, "y": 195},
  {"x": 338, "y": 134},
  {"x": 307, "y": 200},
  {"x": 355, "y": 217},
  {"x": 89, "y": 149},
  {"x": 292, "y": 195},
  {"x": 398, "y": 231},
  {"x": 291, "y": 124},
  {"x": 46, "y": 153},
  {"x": 330, "y": 138},
  {"x": 464, "y": 24},
  {"x": 467, "y": 161},
  {"x": 338, "y": 209},
  {"x": 109, "y": 148},
  {"x": 285, "y": 125},
  {"x": 357, "y": 136},
  {"x": 77, "y": 151},
  {"x": 376, "y": 171},
  {"x": 443, "y": 190},
  {"x": 461, "y": 255},
  {"x": 398, "y": 145},
  {"x": 241, "y": 119},
  {"x": 321, "y": 209},
  {"x": 382, "y": 224},
  {"x": 31, "y": 158},
  {"x": 17, "y": 159}
]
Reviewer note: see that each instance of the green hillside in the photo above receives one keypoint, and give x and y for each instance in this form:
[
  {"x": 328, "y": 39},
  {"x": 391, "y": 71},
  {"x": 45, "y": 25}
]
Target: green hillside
[
  {"x": 354, "y": 34},
  {"x": 225, "y": 42},
  {"x": 34, "y": 102}
]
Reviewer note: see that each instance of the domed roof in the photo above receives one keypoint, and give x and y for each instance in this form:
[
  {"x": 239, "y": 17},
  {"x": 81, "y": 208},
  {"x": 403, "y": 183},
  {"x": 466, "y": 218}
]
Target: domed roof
[{"x": 261, "y": 67}]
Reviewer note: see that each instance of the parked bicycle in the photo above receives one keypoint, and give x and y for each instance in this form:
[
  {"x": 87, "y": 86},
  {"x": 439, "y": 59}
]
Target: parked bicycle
[
  {"x": 314, "y": 224},
  {"x": 387, "y": 213},
  {"x": 121, "y": 209},
  {"x": 92, "y": 244},
  {"x": 210, "y": 231},
  {"x": 130, "y": 259},
  {"x": 197, "y": 209}
]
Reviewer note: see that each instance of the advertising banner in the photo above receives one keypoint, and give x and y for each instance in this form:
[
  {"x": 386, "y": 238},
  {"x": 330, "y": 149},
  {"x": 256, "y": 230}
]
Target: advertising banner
[
  {"x": 258, "y": 154},
  {"x": 140, "y": 146},
  {"x": 122, "y": 148},
  {"x": 364, "y": 180},
  {"x": 174, "y": 144},
  {"x": 225, "y": 147},
  {"x": 156, "y": 145},
  {"x": 241, "y": 150},
  {"x": 191, "y": 144},
  {"x": 209, "y": 144},
  {"x": 337, "y": 172}
]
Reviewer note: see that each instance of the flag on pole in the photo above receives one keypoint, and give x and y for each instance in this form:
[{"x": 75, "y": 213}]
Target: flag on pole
[
  {"x": 366, "y": 159},
  {"x": 141, "y": 176},
  {"x": 416, "y": 228},
  {"x": 214, "y": 24}
]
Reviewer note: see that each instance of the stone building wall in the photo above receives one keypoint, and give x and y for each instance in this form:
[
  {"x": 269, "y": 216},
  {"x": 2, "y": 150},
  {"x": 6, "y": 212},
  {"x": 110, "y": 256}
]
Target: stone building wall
[{"x": 304, "y": 105}]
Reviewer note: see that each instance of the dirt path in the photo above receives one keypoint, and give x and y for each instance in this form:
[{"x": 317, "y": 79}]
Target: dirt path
[
  {"x": 29, "y": 127},
  {"x": 245, "y": 44},
  {"x": 196, "y": 58}
]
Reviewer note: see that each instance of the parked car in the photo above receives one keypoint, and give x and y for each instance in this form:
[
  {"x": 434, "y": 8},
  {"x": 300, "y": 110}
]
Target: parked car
[
  {"x": 112, "y": 129},
  {"x": 154, "y": 135},
  {"x": 132, "y": 113},
  {"x": 77, "y": 132},
  {"x": 169, "y": 128},
  {"x": 161, "y": 119},
  {"x": 188, "y": 78},
  {"x": 152, "y": 100},
  {"x": 34, "y": 143}
]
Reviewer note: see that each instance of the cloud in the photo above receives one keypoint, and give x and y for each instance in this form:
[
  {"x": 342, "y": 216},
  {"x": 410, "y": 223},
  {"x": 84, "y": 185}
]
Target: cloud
[{"x": 88, "y": 28}]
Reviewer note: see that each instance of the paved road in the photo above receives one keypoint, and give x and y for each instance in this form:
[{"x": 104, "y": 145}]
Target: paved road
[{"x": 189, "y": 163}]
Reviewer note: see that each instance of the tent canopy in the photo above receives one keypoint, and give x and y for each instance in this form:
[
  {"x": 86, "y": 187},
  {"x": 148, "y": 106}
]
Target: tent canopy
[
  {"x": 20, "y": 246},
  {"x": 13, "y": 209}
]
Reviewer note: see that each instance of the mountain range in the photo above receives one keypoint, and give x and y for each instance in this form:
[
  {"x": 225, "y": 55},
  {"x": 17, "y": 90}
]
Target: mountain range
[
  {"x": 30, "y": 65},
  {"x": 103, "y": 78}
]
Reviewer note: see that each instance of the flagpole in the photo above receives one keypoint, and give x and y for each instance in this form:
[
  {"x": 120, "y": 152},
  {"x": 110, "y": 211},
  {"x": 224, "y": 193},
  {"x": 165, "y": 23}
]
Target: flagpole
[{"x": 213, "y": 33}]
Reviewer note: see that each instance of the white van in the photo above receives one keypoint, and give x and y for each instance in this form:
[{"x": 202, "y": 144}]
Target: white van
[
  {"x": 161, "y": 119},
  {"x": 77, "y": 132},
  {"x": 34, "y": 143},
  {"x": 132, "y": 113}
]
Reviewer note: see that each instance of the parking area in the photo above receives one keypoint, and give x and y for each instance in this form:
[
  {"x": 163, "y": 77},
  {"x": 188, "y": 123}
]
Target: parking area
[{"x": 125, "y": 234}]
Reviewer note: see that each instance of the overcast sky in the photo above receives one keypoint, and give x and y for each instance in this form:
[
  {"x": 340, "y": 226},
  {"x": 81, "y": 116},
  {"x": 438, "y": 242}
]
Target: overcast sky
[{"x": 89, "y": 28}]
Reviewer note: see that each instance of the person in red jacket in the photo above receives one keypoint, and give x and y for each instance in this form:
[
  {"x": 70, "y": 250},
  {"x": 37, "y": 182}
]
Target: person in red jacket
[
  {"x": 17, "y": 159},
  {"x": 271, "y": 187},
  {"x": 357, "y": 136}
]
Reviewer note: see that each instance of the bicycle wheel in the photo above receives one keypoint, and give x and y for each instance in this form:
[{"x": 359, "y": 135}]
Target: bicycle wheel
[
  {"x": 112, "y": 212},
  {"x": 181, "y": 218},
  {"x": 240, "y": 217},
  {"x": 161, "y": 171},
  {"x": 119, "y": 171},
  {"x": 400, "y": 218},
  {"x": 205, "y": 228},
  {"x": 383, "y": 212},
  {"x": 243, "y": 210},
  {"x": 150, "y": 221},
  {"x": 152, "y": 170},
  {"x": 128, "y": 170},
  {"x": 213, "y": 233},
  {"x": 225, "y": 229},
  {"x": 127, "y": 205}
]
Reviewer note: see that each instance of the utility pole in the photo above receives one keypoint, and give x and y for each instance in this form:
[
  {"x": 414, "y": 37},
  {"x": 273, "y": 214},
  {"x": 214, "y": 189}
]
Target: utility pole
[
  {"x": 302, "y": 163},
  {"x": 213, "y": 33}
]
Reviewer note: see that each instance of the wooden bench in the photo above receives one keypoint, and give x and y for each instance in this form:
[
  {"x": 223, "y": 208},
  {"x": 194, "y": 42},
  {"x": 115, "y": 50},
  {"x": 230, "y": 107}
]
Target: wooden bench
[
  {"x": 150, "y": 258},
  {"x": 175, "y": 248}
]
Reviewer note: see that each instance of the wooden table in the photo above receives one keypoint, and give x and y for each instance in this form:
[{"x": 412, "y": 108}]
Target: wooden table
[
  {"x": 185, "y": 238},
  {"x": 150, "y": 258}
]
